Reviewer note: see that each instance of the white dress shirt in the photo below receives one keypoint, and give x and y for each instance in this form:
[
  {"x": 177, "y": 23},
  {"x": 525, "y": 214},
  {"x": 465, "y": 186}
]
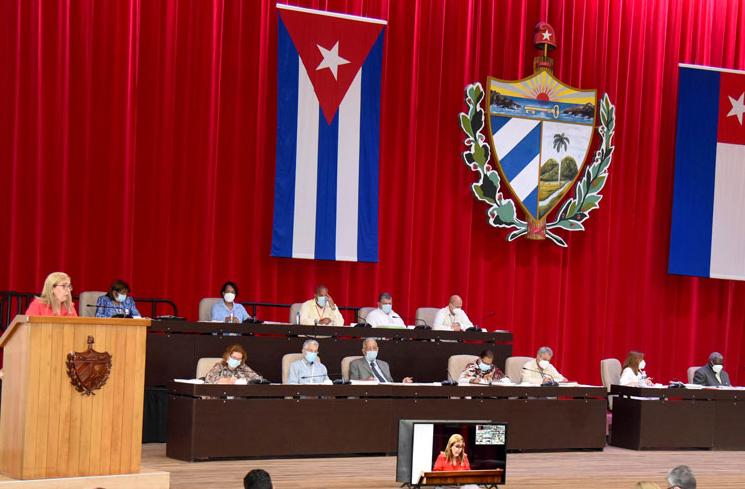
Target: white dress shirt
[
  {"x": 628, "y": 377},
  {"x": 377, "y": 318},
  {"x": 444, "y": 320}
]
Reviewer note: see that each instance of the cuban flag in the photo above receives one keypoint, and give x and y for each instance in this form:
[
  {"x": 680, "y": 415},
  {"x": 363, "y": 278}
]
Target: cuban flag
[
  {"x": 328, "y": 135},
  {"x": 708, "y": 224}
]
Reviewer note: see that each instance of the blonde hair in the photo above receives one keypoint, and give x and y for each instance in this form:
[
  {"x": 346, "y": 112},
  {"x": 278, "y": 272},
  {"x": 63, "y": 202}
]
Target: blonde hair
[
  {"x": 646, "y": 485},
  {"x": 449, "y": 449},
  {"x": 47, "y": 294}
]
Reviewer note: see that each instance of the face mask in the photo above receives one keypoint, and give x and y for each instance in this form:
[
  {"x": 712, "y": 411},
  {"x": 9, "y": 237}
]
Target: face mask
[
  {"x": 717, "y": 368},
  {"x": 456, "y": 310},
  {"x": 229, "y": 297},
  {"x": 310, "y": 356},
  {"x": 371, "y": 355},
  {"x": 321, "y": 301},
  {"x": 121, "y": 297},
  {"x": 544, "y": 364},
  {"x": 387, "y": 308},
  {"x": 233, "y": 363},
  {"x": 642, "y": 365},
  {"x": 484, "y": 367}
]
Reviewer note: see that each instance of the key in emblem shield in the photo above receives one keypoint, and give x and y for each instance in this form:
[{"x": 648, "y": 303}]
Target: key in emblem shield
[
  {"x": 88, "y": 370},
  {"x": 540, "y": 131}
]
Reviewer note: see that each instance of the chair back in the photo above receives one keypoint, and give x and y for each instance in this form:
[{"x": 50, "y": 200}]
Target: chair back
[
  {"x": 205, "y": 307},
  {"x": 513, "y": 368},
  {"x": 204, "y": 365},
  {"x": 287, "y": 359},
  {"x": 345, "y": 366},
  {"x": 89, "y": 297},
  {"x": 610, "y": 372},
  {"x": 691, "y": 373},
  {"x": 362, "y": 314},
  {"x": 457, "y": 363},
  {"x": 426, "y": 315}
]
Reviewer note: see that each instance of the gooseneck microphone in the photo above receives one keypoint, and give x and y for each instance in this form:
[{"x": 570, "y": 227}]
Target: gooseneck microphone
[{"x": 551, "y": 383}]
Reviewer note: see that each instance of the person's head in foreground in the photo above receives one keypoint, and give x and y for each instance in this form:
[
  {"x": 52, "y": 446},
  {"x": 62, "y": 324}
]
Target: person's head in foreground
[
  {"x": 257, "y": 479},
  {"x": 681, "y": 477},
  {"x": 646, "y": 485}
]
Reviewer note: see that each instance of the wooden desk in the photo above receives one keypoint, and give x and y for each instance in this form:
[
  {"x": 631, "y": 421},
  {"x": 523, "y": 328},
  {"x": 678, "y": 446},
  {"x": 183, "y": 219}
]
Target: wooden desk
[
  {"x": 488, "y": 478},
  {"x": 265, "y": 345},
  {"x": 309, "y": 420},
  {"x": 678, "y": 418}
]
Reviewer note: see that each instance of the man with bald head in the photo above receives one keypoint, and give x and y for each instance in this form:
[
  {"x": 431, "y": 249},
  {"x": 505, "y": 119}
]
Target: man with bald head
[{"x": 452, "y": 317}]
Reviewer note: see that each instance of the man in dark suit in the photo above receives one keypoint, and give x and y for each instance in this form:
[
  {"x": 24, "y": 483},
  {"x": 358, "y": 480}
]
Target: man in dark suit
[
  {"x": 712, "y": 374},
  {"x": 369, "y": 367}
]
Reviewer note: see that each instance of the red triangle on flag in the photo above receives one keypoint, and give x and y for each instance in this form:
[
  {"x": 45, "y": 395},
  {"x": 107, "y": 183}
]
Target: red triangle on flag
[{"x": 332, "y": 47}]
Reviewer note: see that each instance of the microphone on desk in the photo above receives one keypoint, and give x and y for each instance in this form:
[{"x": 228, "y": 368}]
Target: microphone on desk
[
  {"x": 551, "y": 383},
  {"x": 423, "y": 324},
  {"x": 117, "y": 308},
  {"x": 339, "y": 381}
]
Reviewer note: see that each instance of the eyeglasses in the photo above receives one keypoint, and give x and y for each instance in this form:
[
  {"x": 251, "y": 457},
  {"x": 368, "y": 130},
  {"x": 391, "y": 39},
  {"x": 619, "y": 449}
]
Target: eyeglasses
[
  {"x": 66, "y": 286},
  {"x": 457, "y": 446}
]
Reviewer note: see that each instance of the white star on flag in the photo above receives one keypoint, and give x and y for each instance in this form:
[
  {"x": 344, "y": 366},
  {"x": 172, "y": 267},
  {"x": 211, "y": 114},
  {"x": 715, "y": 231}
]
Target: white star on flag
[
  {"x": 738, "y": 107},
  {"x": 546, "y": 35},
  {"x": 331, "y": 59}
]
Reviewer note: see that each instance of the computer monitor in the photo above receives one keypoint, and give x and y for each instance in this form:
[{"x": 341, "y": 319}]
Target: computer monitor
[{"x": 421, "y": 441}]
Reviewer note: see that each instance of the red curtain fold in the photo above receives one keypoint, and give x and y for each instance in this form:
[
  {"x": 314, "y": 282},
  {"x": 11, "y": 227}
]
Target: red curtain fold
[{"x": 137, "y": 141}]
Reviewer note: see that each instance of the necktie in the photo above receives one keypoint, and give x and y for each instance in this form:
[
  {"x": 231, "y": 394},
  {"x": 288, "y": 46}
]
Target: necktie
[{"x": 377, "y": 374}]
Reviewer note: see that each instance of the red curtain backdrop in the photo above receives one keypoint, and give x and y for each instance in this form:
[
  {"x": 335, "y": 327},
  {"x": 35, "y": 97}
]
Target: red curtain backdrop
[{"x": 137, "y": 141}]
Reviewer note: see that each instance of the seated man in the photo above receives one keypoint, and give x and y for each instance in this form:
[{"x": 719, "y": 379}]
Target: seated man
[
  {"x": 321, "y": 310},
  {"x": 539, "y": 370},
  {"x": 482, "y": 370},
  {"x": 712, "y": 374},
  {"x": 452, "y": 317},
  {"x": 308, "y": 370},
  {"x": 384, "y": 314},
  {"x": 369, "y": 367}
]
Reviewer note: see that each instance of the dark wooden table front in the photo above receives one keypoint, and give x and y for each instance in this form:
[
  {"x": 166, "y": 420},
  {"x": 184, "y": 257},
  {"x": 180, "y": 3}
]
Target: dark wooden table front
[
  {"x": 649, "y": 418},
  {"x": 175, "y": 347},
  {"x": 216, "y": 421}
]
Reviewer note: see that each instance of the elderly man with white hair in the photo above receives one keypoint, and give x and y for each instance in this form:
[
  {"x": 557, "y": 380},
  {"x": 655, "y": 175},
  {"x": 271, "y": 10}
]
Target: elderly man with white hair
[
  {"x": 539, "y": 370},
  {"x": 681, "y": 477},
  {"x": 370, "y": 367},
  {"x": 308, "y": 370},
  {"x": 452, "y": 317}
]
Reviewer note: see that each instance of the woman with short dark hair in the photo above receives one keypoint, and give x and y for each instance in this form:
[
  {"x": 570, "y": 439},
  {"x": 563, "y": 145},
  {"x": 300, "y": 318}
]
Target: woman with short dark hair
[
  {"x": 117, "y": 302},
  {"x": 227, "y": 310}
]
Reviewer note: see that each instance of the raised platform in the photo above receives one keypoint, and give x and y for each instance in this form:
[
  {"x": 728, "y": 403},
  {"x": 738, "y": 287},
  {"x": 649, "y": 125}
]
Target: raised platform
[{"x": 145, "y": 479}]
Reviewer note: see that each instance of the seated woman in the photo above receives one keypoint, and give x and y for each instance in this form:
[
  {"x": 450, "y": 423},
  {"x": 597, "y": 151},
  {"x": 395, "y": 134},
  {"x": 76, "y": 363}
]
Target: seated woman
[
  {"x": 231, "y": 368},
  {"x": 227, "y": 310},
  {"x": 55, "y": 298},
  {"x": 454, "y": 457},
  {"x": 633, "y": 371},
  {"x": 117, "y": 302},
  {"x": 482, "y": 370}
]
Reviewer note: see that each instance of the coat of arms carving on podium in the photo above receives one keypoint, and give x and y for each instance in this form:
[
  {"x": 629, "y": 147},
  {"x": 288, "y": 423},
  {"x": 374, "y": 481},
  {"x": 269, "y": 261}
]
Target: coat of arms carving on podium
[
  {"x": 88, "y": 370},
  {"x": 539, "y": 136}
]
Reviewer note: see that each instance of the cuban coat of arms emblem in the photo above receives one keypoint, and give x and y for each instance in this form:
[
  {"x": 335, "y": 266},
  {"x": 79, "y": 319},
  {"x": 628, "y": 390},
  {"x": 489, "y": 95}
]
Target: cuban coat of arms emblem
[{"x": 539, "y": 133}]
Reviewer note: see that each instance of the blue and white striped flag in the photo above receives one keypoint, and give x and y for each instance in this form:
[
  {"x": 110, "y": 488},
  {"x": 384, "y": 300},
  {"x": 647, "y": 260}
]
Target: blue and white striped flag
[{"x": 328, "y": 135}]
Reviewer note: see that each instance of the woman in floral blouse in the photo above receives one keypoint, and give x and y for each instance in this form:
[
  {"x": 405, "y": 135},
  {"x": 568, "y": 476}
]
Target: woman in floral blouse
[{"x": 231, "y": 368}]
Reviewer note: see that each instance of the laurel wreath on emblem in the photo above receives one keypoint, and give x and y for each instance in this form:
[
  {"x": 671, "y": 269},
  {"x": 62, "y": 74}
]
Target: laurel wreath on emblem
[{"x": 502, "y": 211}]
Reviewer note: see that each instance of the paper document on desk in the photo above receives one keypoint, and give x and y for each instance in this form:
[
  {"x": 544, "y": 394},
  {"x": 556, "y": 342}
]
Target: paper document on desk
[
  {"x": 189, "y": 381},
  {"x": 364, "y": 382}
]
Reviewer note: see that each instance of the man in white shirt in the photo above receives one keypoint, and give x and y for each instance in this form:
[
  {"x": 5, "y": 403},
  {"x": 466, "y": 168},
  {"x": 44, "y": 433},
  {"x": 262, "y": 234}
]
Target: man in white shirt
[
  {"x": 539, "y": 370},
  {"x": 452, "y": 317},
  {"x": 384, "y": 315}
]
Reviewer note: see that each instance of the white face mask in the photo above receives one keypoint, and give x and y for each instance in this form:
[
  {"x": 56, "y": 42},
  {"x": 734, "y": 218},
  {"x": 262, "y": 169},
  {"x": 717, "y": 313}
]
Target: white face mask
[
  {"x": 717, "y": 368},
  {"x": 456, "y": 310},
  {"x": 322, "y": 300},
  {"x": 544, "y": 364},
  {"x": 229, "y": 297},
  {"x": 642, "y": 365},
  {"x": 121, "y": 297}
]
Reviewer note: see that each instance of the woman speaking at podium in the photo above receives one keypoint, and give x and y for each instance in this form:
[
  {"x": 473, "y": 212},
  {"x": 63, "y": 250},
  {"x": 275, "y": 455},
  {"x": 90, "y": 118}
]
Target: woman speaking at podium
[
  {"x": 55, "y": 298},
  {"x": 454, "y": 457}
]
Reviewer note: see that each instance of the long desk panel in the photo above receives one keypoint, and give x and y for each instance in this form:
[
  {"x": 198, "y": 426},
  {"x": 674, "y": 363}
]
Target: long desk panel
[
  {"x": 654, "y": 418},
  {"x": 174, "y": 347},
  {"x": 349, "y": 419}
]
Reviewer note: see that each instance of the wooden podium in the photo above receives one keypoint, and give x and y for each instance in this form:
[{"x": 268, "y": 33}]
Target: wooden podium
[
  {"x": 51, "y": 428},
  {"x": 487, "y": 478}
]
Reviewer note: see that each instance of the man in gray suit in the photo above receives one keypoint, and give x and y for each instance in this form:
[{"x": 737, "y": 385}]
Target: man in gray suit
[
  {"x": 369, "y": 367},
  {"x": 712, "y": 374}
]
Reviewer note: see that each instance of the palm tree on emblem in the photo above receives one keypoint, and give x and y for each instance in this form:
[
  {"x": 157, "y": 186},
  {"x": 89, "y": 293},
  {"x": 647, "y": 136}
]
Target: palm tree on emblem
[{"x": 560, "y": 141}]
